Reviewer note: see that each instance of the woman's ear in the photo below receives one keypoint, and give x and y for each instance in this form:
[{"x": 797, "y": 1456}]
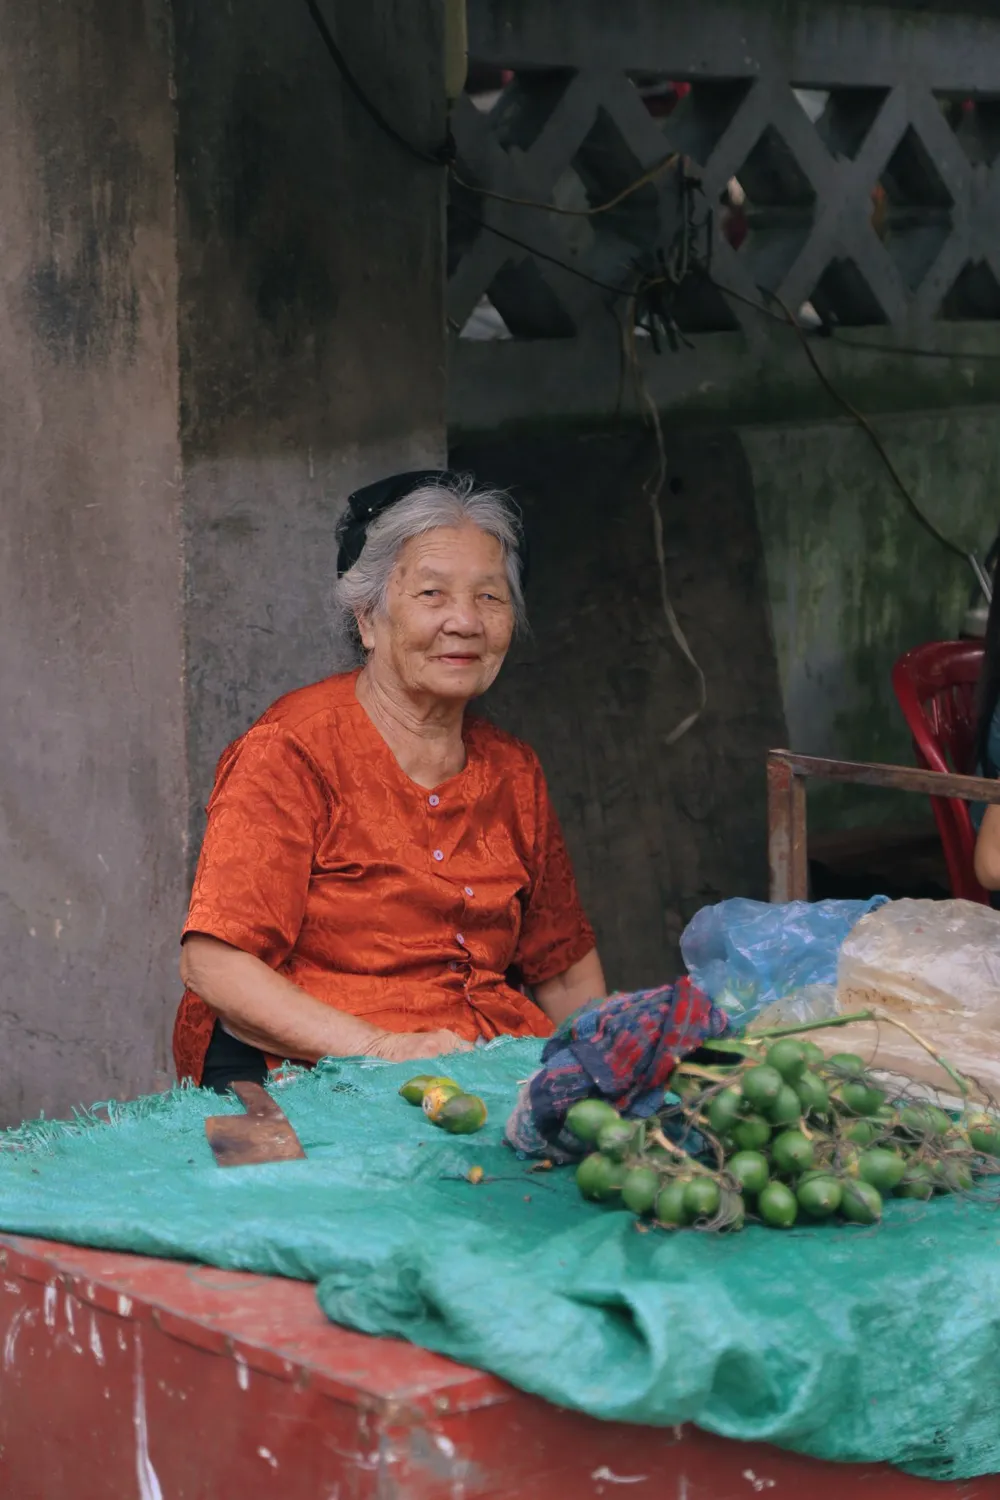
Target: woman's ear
[{"x": 365, "y": 631}]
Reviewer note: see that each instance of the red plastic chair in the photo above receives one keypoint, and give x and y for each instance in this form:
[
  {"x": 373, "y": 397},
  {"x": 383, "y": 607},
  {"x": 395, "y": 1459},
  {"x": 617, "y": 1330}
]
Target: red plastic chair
[{"x": 936, "y": 688}]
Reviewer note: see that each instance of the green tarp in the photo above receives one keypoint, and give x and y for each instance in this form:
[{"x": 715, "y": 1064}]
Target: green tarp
[{"x": 846, "y": 1343}]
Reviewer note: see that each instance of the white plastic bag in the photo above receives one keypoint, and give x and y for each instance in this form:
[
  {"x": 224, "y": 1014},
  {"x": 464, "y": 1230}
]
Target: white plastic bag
[{"x": 934, "y": 965}]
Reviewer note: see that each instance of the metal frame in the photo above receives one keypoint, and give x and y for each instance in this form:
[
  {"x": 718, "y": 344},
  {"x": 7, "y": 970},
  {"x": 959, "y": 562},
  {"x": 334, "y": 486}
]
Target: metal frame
[{"x": 786, "y": 806}]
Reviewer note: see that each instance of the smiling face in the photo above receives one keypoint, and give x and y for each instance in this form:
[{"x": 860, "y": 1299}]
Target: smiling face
[{"x": 448, "y": 617}]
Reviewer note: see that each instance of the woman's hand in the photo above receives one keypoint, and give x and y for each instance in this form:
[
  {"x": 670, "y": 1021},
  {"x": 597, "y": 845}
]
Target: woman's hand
[
  {"x": 267, "y": 1011},
  {"x": 402, "y": 1046}
]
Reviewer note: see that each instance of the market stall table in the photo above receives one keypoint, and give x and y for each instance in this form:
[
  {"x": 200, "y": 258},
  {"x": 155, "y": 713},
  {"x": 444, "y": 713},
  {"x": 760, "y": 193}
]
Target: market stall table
[{"x": 129, "y": 1378}]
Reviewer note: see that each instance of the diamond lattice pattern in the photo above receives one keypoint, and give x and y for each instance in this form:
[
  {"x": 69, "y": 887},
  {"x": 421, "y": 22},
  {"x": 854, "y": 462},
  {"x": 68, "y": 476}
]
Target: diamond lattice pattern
[{"x": 849, "y": 202}]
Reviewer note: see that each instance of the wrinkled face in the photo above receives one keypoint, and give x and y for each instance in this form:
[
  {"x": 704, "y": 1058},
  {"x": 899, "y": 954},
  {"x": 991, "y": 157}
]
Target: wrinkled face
[{"x": 448, "y": 617}]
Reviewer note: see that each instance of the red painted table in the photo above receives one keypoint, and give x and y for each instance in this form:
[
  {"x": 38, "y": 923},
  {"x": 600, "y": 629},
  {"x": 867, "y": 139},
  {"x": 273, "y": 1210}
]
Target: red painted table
[{"x": 124, "y": 1378}]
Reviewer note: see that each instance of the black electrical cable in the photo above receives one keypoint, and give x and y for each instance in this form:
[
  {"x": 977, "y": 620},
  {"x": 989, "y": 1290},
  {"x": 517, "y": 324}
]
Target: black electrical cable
[
  {"x": 553, "y": 260},
  {"x": 444, "y": 157},
  {"x": 852, "y": 411},
  {"x": 439, "y": 158}
]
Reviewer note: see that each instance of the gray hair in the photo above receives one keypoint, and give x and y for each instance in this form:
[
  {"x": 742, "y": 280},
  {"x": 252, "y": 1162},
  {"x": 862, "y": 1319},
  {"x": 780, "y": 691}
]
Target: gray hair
[{"x": 363, "y": 589}]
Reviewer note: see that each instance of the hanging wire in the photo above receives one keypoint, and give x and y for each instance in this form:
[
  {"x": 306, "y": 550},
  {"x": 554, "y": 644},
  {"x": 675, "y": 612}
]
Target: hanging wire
[{"x": 673, "y": 271}]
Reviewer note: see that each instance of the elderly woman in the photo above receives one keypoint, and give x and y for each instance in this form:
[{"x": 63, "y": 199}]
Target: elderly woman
[{"x": 381, "y": 871}]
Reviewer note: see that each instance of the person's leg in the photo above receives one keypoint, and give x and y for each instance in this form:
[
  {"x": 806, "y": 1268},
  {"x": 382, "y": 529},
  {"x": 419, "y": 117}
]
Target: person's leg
[{"x": 228, "y": 1061}]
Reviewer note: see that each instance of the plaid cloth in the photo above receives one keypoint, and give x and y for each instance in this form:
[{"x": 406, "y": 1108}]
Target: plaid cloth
[{"x": 622, "y": 1049}]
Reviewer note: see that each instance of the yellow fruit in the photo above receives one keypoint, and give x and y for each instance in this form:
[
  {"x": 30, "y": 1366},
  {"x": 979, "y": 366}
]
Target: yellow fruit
[
  {"x": 414, "y": 1089},
  {"x": 436, "y": 1097}
]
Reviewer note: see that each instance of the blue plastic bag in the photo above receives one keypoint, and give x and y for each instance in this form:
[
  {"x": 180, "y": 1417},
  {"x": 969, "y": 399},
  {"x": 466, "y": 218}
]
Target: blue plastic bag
[{"x": 746, "y": 954}]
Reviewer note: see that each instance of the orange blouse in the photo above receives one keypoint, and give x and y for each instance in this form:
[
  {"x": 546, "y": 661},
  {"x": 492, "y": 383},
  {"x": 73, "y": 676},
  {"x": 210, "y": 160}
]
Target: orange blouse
[{"x": 375, "y": 895}]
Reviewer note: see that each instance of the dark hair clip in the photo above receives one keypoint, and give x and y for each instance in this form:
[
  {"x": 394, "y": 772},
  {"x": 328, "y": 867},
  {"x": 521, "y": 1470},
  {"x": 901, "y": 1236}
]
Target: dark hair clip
[{"x": 367, "y": 504}]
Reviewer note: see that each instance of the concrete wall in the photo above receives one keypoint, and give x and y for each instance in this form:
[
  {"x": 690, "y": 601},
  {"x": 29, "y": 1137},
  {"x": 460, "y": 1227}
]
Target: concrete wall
[
  {"x": 311, "y": 275},
  {"x": 855, "y": 581},
  {"x": 92, "y": 777},
  {"x": 194, "y": 372},
  {"x": 656, "y": 828}
]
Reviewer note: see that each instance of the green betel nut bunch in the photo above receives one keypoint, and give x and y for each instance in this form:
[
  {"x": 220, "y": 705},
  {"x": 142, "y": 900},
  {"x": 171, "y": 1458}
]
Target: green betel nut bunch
[{"x": 786, "y": 1135}]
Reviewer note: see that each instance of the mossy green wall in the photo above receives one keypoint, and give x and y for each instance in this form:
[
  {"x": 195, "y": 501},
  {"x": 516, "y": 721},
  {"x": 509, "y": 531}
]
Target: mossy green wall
[{"x": 855, "y": 581}]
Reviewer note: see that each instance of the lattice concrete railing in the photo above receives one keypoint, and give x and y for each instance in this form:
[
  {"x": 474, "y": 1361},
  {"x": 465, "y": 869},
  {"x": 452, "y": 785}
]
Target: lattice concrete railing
[{"x": 848, "y": 155}]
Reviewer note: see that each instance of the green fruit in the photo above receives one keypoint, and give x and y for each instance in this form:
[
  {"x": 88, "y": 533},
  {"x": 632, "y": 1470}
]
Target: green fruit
[
  {"x": 862, "y": 1132},
  {"x": 786, "y": 1109},
  {"x": 819, "y": 1196},
  {"x": 586, "y": 1118},
  {"x": 815, "y": 1056},
  {"x": 788, "y": 1058},
  {"x": 861, "y": 1203},
  {"x": 417, "y": 1089},
  {"x": 669, "y": 1207},
  {"x": 858, "y": 1098},
  {"x": 777, "y": 1206},
  {"x": 750, "y": 1170},
  {"x": 792, "y": 1153},
  {"x": 921, "y": 1120},
  {"x": 848, "y": 1064},
  {"x": 702, "y": 1198},
  {"x": 985, "y": 1140},
  {"x": 640, "y": 1188},
  {"x": 598, "y": 1177},
  {"x": 882, "y": 1169},
  {"x": 462, "y": 1114},
  {"x": 951, "y": 1176},
  {"x": 615, "y": 1139},
  {"x": 761, "y": 1086},
  {"x": 917, "y": 1181},
  {"x": 812, "y": 1094},
  {"x": 724, "y": 1109},
  {"x": 414, "y": 1089},
  {"x": 751, "y": 1133}
]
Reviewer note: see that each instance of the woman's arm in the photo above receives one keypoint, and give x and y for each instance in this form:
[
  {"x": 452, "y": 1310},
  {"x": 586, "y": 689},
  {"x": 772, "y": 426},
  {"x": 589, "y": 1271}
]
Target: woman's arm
[
  {"x": 987, "y": 862},
  {"x": 581, "y": 982},
  {"x": 264, "y": 1009}
]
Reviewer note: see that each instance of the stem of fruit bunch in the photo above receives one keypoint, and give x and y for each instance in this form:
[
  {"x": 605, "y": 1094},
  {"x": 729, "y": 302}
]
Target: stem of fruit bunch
[
  {"x": 774, "y": 1032},
  {"x": 705, "y": 1128},
  {"x": 961, "y": 1083},
  {"x": 656, "y": 1135},
  {"x": 714, "y": 1075},
  {"x": 958, "y": 1079}
]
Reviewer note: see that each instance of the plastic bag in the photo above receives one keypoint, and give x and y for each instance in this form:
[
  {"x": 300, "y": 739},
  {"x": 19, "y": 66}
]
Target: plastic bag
[
  {"x": 934, "y": 965},
  {"x": 814, "y": 1002},
  {"x": 747, "y": 954}
]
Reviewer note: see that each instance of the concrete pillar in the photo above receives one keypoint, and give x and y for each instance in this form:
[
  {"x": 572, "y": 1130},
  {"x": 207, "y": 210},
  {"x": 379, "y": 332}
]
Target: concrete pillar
[
  {"x": 312, "y": 329},
  {"x": 92, "y": 774},
  {"x": 220, "y": 310}
]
